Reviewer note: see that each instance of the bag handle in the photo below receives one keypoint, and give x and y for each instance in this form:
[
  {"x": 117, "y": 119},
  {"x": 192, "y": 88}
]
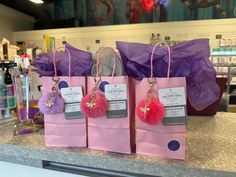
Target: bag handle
[
  {"x": 99, "y": 62},
  {"x": 54, "y": 60},
  {"x": 169, "y": 57}
]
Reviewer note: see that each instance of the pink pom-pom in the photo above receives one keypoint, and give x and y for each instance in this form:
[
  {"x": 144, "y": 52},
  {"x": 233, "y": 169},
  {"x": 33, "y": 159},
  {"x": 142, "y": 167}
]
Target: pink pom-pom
[
  {"x": 153, "y": 113},
  {"x": 94, "y": 107}
]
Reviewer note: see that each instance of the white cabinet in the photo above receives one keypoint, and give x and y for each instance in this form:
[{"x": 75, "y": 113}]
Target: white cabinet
[{"x": 16, "y": 170}]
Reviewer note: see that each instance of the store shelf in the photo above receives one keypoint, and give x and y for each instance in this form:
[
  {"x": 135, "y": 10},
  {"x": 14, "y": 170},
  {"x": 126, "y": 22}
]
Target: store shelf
[
  {"x": 1, "y": 109},
  {"x": 226, "y": 73},
  {"x": 232, "y": 108},
  {"x": 222, "y": 65},
  {"x": 222, "y": 55}
]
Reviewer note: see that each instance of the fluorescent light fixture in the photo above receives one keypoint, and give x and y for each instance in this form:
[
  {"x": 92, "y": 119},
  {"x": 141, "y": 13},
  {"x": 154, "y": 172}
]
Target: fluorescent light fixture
[{"x": 37, "y": 1}]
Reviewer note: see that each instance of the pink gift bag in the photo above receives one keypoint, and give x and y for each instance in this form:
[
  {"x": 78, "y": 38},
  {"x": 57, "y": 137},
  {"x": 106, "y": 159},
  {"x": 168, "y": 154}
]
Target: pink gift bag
[
  {"x": 167, "y": 138},
  {"x": 59, "y": 130},
  {"x": 115, "y": 131}
]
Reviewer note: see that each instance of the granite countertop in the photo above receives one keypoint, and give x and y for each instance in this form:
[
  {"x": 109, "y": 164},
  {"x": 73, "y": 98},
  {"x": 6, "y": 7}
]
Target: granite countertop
[{"x": 210, "y": 151}]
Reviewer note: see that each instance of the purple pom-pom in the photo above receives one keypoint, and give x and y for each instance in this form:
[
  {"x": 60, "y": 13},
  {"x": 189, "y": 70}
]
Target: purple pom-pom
[{"x": 51, "y": 105}]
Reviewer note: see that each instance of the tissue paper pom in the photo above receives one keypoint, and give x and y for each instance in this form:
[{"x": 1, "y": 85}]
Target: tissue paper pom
[
  {"x": 94, "y": 108},
  {"x": 151, "y": 114},
  {"x": 54, "y": 106}
]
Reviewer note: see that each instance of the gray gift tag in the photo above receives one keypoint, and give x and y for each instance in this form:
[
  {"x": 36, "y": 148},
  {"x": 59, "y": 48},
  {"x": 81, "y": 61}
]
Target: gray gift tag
[
  {"x": 117, "y": 109},
  {"x": 175, "y": 115},
  {"x": 72, "y": 111}
]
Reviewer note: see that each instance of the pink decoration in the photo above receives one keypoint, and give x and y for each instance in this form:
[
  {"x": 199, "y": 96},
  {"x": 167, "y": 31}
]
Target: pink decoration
[
  {"x": 150, "y": 111},
  {"x": 94, "y": 105}
]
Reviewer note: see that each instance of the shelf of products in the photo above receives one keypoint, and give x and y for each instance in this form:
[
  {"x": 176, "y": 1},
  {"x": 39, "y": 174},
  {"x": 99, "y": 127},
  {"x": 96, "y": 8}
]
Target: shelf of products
[{"x": 224, "y": 61}]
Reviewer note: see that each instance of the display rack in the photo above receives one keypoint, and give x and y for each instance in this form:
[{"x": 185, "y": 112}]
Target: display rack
[
  {"x": 224, "y": 61},
  {"x": 225, "y": 64},
  {"x": 7, "y": 96}
]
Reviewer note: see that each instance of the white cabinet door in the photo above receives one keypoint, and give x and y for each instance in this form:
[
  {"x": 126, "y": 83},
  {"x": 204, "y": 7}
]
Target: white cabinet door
[{"x": 16, "y": 170}]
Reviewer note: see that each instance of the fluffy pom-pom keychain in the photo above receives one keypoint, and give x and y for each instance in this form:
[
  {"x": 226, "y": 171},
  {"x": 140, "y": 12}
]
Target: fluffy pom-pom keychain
[
  {"x": 95, "y": 104},
  {"x": 150, "y": 110},
  {"x": 151, "y": 113},
  {"x": 52, "y": 103}
]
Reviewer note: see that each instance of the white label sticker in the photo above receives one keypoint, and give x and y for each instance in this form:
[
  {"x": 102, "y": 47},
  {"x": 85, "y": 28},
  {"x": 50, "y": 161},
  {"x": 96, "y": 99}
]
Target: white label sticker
[
  {"x": 72, "y": 94},
  {"x": 115, "y": 92},
  {"x": 175, "y": 111},
  {"x": 73, "y": 107},
  {"x": 117, "y": 105},
  {"x": 72, "y": 111},
  {"x": 172, "y": 96}
]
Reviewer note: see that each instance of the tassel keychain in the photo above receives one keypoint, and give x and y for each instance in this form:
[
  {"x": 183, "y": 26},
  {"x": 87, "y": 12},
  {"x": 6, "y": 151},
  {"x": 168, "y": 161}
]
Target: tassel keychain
[
  {"x": 52, "y": 103},
  {"x": 95, "y": 104},
  {"x": 150, "y": 110}
]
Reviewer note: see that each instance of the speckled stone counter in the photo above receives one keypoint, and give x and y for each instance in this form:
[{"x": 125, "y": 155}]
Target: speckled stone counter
[{"x": 210, "y": 151}]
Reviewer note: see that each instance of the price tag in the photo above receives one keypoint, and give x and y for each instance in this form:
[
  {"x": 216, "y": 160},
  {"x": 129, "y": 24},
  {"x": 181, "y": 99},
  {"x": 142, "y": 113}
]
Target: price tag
[
  {"x": 218, "y": 36},
  {"x": 116, "y": 94},
  {"x": 167, "y": 38},
  {"x": 174, "y": 100},
  {"x": 72, "y": 97}
]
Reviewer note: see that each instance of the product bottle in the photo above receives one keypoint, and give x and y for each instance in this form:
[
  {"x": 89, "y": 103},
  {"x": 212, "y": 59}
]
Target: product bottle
[
  {"x": 9, "y": 92},
  {"x": 8, "y": 79},
  {"x": 2, "y": 92}
]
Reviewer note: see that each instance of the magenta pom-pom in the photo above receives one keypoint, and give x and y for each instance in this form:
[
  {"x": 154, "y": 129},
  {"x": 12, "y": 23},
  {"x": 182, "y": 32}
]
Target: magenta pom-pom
[
  {"x": 94, "y": 105},
  {"x": 152, "y": 113}
]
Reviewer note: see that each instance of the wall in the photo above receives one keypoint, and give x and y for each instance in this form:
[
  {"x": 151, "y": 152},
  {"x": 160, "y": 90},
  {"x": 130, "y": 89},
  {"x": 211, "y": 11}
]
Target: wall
[
  {"x": 13, "y": 20},
  {"x": 84, "y": 38}
]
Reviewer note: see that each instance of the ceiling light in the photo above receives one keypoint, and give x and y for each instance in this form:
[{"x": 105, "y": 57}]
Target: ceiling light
[{"x": 37, "y": 1}]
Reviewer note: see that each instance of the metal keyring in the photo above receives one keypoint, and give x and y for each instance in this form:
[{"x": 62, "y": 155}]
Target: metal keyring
[
  {"x": 152, "y": 81},
  {"x": 55, "y": 79},
  {"x": 97, "y": 81}
]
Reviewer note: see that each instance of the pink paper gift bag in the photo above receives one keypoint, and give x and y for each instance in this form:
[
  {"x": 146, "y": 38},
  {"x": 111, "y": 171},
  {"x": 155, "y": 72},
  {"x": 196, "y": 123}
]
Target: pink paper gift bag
[
  {"x": 59, "y": 131},
  {"x": 166, "y": 141},
  {"x": 112, "y": 134}
]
